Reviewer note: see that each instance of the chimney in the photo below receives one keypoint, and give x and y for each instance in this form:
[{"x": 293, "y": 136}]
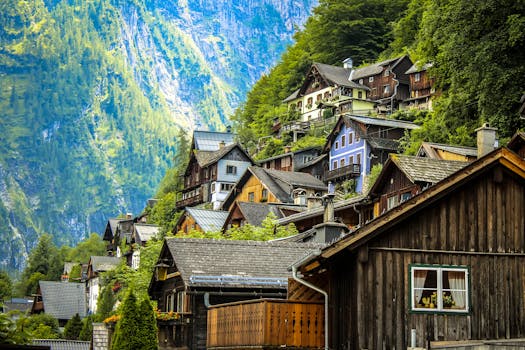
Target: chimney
[
  {"x": 486, "y": 139},
  {"x": 348, "y": 63},
  {"x": 222, "y": 144}
]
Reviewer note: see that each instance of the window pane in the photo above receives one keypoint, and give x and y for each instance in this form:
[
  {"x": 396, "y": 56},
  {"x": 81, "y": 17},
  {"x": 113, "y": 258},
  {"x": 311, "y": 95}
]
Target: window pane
[
  {"x": 425, "y": 289},
  {"x": 455, "y": 295}
]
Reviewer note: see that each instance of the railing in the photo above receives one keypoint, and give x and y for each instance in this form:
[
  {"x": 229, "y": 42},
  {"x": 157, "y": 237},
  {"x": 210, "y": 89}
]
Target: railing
[
  {"x": 190, "y": 201},
  {"x": 349, "y": 171},
  {"x": 266, "y": 323},
  {"x": 294, "y": 126}
]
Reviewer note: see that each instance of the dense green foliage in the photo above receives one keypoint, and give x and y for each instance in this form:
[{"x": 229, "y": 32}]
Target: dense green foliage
[
  {"x": 105, "y": 303},
  {"x": 40, "y": 326},
  {"x": 10, "y": 333},
  {"x": 148, "y": 329},
  {"x": 86, "y": 333},
  {"x": 73, "y": 328},
  {"x": 6, "y": 286}
]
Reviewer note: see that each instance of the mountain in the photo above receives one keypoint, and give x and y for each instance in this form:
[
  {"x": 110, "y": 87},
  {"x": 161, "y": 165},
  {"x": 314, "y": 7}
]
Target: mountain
[{"x": 93, "y": 94}]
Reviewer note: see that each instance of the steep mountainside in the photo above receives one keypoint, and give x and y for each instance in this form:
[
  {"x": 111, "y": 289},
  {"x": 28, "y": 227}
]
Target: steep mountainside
[{"x": 92, "y": 95}]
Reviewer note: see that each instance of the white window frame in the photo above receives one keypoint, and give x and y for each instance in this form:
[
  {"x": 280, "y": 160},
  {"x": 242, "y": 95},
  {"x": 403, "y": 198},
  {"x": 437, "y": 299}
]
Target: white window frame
[
  {"x": 440, "y": 290},
  {"x": 417, "y": 76},
  {"x": 370, "y": 79},
  {"x": 231, "y": 169},
  {"x": 181, "y": 302}
]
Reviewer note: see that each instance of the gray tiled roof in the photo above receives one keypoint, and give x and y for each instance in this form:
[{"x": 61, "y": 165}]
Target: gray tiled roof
[
  {"x": 208, "y": 220},
  {"x": 104, "y": 263},
  {"x": 239, "y": 260},
  {"x": 293, "y": 96},
  {"x": 392, "y": 123},
  {"x": 461, "y": 150},
  {"x": 61, "y": 344},
  {"x": 418, "y": 68},
  {"x": 421, "y": 169},
  {"x": 372, "y": 69},
  {"x": 255, "y": 213},
  {"x": 146, "y": 232},
  {"x": 386, "y": 144},
  {"x": 338, "y": 75},
  {"x": 63, "y": 300},
  {"x": 210, "y": 140},
  {"x": 205, "y": 158}
]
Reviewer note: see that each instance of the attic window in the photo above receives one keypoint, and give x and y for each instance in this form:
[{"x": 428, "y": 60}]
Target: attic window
[
  {"x": 386, "y": 89},
  {"x": 439, "y": 288},
  {"x": 370, "y": 79},
  {"x": 231, "y": 169},
  {"x": 387, "y": 72},
  {"x": 417, "y": 77}
]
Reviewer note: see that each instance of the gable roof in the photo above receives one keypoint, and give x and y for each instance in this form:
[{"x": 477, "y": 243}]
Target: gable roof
[
  {"x": 205, "y": 158},
  {"x": 63, "y": 300},
  {"x": 375, "y": 68},
  {"x": 517, "y": 141},
  {"x": 103, "y": 263},
  {"x": 420, "y": 169},
  {"x": 338, "y": 76},
  {"x": 208, "y": 220},
  {"x": 145, "y": 232},
  {"x": 431, "y": 148},
  {"x": 210, "y": 140},
  {"x": 418, "y": 68},
  {"x": 255, "y": 213},
  {"x": 391, "y": 123},
  {"x": 220, "y": 263},
  {"x": 383, "y": 223}
]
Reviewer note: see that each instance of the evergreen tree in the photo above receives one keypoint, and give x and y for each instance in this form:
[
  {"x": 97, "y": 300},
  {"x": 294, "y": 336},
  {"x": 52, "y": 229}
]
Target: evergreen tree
[
  {"x": 105, "y": 303},
  {"x": 148, "y": 328},
  {"x": 127, "y": 330},
  {"x": 73, "y": 327},
  {"x": 86, "y": 333},
  {"x": 6, "y": 286}
]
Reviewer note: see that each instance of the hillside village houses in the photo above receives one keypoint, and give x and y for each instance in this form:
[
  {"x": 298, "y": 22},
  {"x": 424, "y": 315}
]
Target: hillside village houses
[{"x": 431, "y": 253}]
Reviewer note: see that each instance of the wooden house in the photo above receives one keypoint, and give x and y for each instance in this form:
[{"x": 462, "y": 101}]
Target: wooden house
[
  {"x": 261, "y": 185},
  {"x": 290, "y": 160},
  {"x": 195, "y": 274},
  {"x": 210, "y": 175},
  {"x": 96, "y": 265},
  {"x": 447, "y": 265},
  {"x": 118, "y": 230},
  {"x": 202, "y": 220},
  {"x": 141, "y": 234},
  {"x": 357, "y": 143},
  {"x": 447, "y": 152},
  {"x": 251, "y": 213},
  {"x": 517, "y": 143},
  {"x": 421, "y": 88},
  {"x": 405, "y": 176},
  {"x": 62, "y": 300},
  {"x": 387, "y": 80},
  {"x": 328, "y": 88}
]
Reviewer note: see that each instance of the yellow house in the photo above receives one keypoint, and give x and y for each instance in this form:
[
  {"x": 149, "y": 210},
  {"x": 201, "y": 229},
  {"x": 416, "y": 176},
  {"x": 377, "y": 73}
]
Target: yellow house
[
  {"x": 447, "y": 152},
  {"x": 259, "y": 185}
]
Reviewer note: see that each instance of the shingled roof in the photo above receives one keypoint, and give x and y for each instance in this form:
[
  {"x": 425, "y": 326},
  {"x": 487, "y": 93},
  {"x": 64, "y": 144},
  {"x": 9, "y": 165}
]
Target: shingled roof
[
  {"x": 145, "y": 232},
  {"x": 62, "y": 344},
  {"x": 208, "y": 220},
  {"x": 214, "y": 263},
  {"x": 104, "y": 263},
  {"x": 211, "y": 140},
  {"x": 373, "y": 69},
  {"x": 431, "y": 148},
  {"x": 429, "y": 170},
  {"x": 63, "y": 300},
  {"x": 338, "y": 75}
]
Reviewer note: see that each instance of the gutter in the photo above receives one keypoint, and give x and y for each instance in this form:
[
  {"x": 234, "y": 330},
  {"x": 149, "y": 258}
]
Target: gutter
[{"x": 317, "y": 289}]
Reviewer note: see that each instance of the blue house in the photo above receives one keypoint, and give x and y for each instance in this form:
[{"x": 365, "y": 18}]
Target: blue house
[{"x": 357, "y": 143}]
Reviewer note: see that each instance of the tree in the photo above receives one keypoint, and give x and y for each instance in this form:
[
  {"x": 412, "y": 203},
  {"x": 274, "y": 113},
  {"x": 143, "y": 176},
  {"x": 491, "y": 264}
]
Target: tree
[
  {"x": 105, "y": 303},
  {"x": 86, "y": 333},
  {"x": 40, "y": 326},
  {"x": 92, "y": 246},
  {"x": 73, "y": 328},
  {"x": 148, "y": 328},
  {"x": 10, "y": 333},
  {"x": 6, "y": 286},
  {"x": 127, "y": 330}
]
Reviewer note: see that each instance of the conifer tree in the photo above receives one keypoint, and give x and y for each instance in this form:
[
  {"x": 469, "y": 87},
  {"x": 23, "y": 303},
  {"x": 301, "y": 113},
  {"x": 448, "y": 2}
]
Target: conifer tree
[
  {"x": 87, "y": 329},
  {"x": 105, "y": 303},
  {"x": 148, "y": 326},
  {"x": 127, "y": 331},
  {"x": 73, "y": 328}
]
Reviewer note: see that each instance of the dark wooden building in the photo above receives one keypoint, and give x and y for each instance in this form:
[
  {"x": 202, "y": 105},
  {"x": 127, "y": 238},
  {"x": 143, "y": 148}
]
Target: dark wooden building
[
  {"x": 421, "y": 88},
  {"x": 517, "y": 143},
  {"x": 449, "y": 264},
  {"x": 194, "y": 274}
]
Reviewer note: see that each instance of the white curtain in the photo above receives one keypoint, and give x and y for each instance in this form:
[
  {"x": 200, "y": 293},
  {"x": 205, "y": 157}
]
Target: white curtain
[
  {"x": 418, "y": 282},
  {"x": 456, "y": 281}
]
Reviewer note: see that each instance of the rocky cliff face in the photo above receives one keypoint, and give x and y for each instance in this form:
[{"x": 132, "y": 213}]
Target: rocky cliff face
[{"x": 92, "y": 95}]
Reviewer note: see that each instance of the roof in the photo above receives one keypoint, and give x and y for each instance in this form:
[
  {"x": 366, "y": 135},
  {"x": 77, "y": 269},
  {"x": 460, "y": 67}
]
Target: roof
[
  {"x": 293, "y": 96},
  {"x": 418, "y": 68},
  {"x": 383, "y": 223},
  {"x": 386, "y": 144},
  {"x": 338, "y": 75},
  {"x": 20, "y": 304},
  {"x": 392, "y": 123},
  {"x": 146, "y": 232},
  {"x": 68, "y": 266},
  {"x": 208, "y": 220},
  {"x": 430, "y": 148},
  {"x": 205, "y": 158},
  {"x": 210, "y": 140},
  {"x": 63, "y": 300},
  {"x": 374, "y": 69},
  {"x": 213, "y": 263},
  {"x": 422, "y": 169},
  {"x": 517, "y": 141},
  {"x": 255, "y": 213},
  {"x": 103, "y": 263},
  {"x": 62, "y": 344},
  {"x": 292, "y": 153},
  {"x": 313, "y": 161}
]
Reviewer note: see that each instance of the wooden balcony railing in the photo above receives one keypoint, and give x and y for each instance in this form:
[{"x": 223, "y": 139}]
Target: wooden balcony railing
[
  {"x": 188, "y": 202},
  {"x": 349, "y": 171},
  {"x": 266, "y": 323}
]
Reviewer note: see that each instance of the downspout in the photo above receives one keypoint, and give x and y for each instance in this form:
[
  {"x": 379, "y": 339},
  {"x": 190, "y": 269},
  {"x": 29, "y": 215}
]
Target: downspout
[
  {"x": 317, "y": 289},
  {"x": 394, "y": 94}
]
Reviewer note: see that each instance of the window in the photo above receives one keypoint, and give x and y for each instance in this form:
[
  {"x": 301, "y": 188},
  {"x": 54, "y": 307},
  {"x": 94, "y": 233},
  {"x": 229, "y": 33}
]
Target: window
[
  {"x": 417, "y": 77},
  {"x": 326, "y": 95},
  {"x": 374, "y": 92},
  {"x": 356, "y": 137},
  {"x": 439, "y": 288},
  {"x": 342, "y": 162},
  {"x": 405, "y": 196},
  {"x": 213, "y": 187},
  {"x": 392, "y": 201},
  {"x": 387, "y": 72},
  {"x": 351, "y": 159},
  {"x": 181, "y": 302},
  {"x": 334, "y": 165},
  {"x": 361, "y": 81},
  {"x": 170, "y": 302},
  {"x": 358, "y": 158},
  {"x": 318, "y": 98},
  {"x": 299, "y": 105},
  {"x": 343, "y": 141},
  {"x": 360, "y": 94},
  {"x": 370, "y": 79},
  {"x": 309, "y": 102},
  {"x": 231, "y": 169},
  {"x": 350, "y": 138},
  {"x": 226, "y": 187},
  {"x": 251, "y": 197},
  {"x": 336, "y": 144},
  {"x": 386, "y": 89},
  {"x": 264, "y": 194}
]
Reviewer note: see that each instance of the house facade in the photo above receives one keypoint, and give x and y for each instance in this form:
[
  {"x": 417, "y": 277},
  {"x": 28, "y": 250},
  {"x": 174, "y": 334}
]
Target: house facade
[
  {"x": 447, "y": 152},
  {"x": 357, "y": 143},
  {"x": 201, "y": 220},
  {"x": 291, "y": 160},
  {"x": 328, "y": 88},
  {"x": 446, "y": 266},
  {"x": 96, "y": 265},
  {"x": 421, "y": 88}
]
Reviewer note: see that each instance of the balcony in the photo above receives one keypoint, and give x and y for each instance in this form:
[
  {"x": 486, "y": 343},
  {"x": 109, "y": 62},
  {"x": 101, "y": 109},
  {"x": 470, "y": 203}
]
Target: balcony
[
  {"x": 346, "y": 172},
  {"x": 188, "y": 202},
  {"x": 266, "y": 323}
]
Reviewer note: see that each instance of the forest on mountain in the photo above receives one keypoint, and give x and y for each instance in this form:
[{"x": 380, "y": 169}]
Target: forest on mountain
[{"x": 477, "y": 52}]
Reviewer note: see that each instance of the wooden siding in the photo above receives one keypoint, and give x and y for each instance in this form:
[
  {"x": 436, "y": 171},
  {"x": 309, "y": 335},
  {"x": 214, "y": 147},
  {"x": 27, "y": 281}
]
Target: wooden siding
[
  {"x": 265, "y": 324},
  {"x": 188, "y": 224},
  {"x": 480, "y": 225},
  {"x": 255, "y": 186}
]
